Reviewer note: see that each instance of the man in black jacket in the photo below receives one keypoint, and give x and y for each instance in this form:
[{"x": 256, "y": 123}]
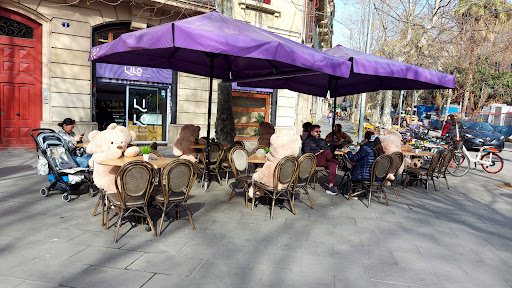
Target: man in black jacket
[{"x": 324, "y": 158}]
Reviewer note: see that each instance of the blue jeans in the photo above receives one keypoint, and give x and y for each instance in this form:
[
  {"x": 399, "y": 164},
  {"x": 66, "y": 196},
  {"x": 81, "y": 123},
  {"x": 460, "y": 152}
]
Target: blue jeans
[{"x": 82, "y": 161}]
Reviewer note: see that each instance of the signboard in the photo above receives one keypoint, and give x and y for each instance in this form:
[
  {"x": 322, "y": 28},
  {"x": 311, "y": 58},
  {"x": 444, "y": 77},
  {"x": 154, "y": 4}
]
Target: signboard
[{"x": 133, "y": 73}]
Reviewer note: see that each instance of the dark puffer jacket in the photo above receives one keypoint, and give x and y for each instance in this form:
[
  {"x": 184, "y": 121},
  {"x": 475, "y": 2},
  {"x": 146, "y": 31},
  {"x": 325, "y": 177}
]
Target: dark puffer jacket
[
  {"x": 364, "y": 159},
  {"x": 314, "y": 145}
]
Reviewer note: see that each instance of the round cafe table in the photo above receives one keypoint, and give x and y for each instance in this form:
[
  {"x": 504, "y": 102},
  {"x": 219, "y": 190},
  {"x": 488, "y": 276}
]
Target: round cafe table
[{"x": 419, "y": 153}]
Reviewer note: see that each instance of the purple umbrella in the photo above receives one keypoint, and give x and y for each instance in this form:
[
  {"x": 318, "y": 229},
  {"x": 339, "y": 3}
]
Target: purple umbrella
[
  {"x": 220, "y": 47},
  {"x": 369, "y": 73}
]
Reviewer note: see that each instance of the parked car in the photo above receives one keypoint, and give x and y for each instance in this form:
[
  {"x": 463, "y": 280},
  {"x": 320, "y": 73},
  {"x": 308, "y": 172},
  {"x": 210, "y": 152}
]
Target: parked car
[{"x": 478, "y": 134}]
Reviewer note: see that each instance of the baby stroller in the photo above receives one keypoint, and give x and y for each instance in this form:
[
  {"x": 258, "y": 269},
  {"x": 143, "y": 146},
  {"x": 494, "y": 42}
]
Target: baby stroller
[{"x": 63, "y": 173}]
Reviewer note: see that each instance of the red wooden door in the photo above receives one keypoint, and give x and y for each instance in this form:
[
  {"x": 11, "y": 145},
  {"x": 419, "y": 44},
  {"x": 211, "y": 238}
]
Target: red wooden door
[{"x": 20, "y": 78}]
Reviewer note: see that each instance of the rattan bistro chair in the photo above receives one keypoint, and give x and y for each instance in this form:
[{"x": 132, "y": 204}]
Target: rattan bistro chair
[
  {"x": 225, "y": 164},
  {"x": 397, "y": 160},
  {"x": 134, "y": 184},
  {"x": 216, "y": 151},
  {"x": 238, "y": 160},
  {"x": 424, "y": 175},
  {"x": 306, "y": 168},
  {"x": 284, "y": 178},
  {"x": 177, "y": 178},
  {"x": 446, "y": 159},
  {"x": 380, "y": 170}
]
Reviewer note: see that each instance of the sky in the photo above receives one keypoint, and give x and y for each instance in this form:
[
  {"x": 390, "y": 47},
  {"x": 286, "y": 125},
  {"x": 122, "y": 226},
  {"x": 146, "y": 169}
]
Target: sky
[{"x": 341, "y": 33}]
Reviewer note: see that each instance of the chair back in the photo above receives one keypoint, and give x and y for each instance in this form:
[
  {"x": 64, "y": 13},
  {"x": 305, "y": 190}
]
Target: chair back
[
  {"x": 396, "y": 161},
  {"x": 285, "y": 172},
  {"x": 135, "y": 179},
  {"x": 216, "y": 150},
  {"x": 436, "y": 159},
  {"x": 380, "y": 167},
  {"x": 307, "y": 164},
  {"x": 177, "y": 178},
  {"x": 446, "y": 159},
  {"x": 238, "y": 160},
  {"x": 238, "y": 144},
  {"x": 257, "y": 148}
]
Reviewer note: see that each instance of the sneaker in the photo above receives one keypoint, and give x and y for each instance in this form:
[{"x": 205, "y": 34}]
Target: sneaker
[{"x": 331, "y": 191}]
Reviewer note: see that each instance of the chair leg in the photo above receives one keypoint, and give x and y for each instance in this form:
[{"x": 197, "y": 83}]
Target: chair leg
[
  {"x": 385, "y": 195},
  {"x": 394, "y": 189},
  {"x": 309, "y": 198},
  {"x": 436, "y": 188},
  {"x": 272, "y": 210},
  {"x": 162, "y": 219},
  {"x": 369, "y": 197},
  {"x": 116, "y": 234},
  {"x": 97, "y": 205},
  {"x": 232, "y": 191},
  {"x": 185, "y": 207},
  {"x": 446, "y": 180},
  {"x": 246, "y": 199},
  {"x": 218, "y": 177},
  {"x": 253, "y": 200},
  {"x": 150, "y": 221},
  {"x": 107, "y": 216},
  {"x": 292, "y": 199},
  {"x": 227, "y": 177}
]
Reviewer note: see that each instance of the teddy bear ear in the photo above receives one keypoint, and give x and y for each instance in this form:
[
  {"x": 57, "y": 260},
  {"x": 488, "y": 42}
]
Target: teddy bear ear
[
  {"x": 93, "y": 135},
  {"x": 112, "y": 126}
]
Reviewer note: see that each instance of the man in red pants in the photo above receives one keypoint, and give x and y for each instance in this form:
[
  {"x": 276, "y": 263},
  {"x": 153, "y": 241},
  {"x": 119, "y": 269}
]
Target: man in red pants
[{"x": 324, "y": 158}]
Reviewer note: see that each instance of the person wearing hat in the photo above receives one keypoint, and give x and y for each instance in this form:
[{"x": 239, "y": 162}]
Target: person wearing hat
[{"x": 72, "y": 139}]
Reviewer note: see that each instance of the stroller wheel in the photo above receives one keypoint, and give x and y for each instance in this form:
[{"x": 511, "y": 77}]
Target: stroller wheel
[
  {"x": 44, "y": 192},
  {"x": 66, "y": 197}
]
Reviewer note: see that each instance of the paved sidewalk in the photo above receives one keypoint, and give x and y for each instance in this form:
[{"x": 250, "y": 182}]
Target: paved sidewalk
[{"x": 457, "y": 237}]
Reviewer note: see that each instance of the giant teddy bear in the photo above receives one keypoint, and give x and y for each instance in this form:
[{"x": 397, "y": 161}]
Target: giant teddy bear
[
  {"x": 189, "y": 135},
  {"x": 111, "y": 143},
  {"x": 266, "y": 131},
  {"x": 392, "y": 142},
  {"x": 281, "y": 145}
]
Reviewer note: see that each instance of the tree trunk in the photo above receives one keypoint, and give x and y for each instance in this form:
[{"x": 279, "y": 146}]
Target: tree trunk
[
  {"x": 225, "y": 121},
  {"x": 386, "y": 110},
  {"x": 376, "y": 110},
  {"x": 354, "y": 115}
]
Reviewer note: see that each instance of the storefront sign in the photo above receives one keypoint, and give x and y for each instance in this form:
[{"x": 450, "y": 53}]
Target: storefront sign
[
  {"x": 235, "y": 86},
  {"x": 133, "y": 73}
]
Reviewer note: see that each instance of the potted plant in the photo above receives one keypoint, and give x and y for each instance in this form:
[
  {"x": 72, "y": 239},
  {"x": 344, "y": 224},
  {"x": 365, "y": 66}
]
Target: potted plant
[
  {"x": 266, "y": 150},
  {"x": 417, "y": 148},
  {"x": 145, "y": 152}
]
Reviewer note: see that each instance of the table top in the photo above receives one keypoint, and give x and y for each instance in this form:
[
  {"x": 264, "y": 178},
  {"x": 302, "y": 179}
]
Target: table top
[
  {"x": 158, "y": 162},
  {"x": 255, "y": 158},
  {"x": 201, "y": 146},
  {"x": 420, "y": 153}
]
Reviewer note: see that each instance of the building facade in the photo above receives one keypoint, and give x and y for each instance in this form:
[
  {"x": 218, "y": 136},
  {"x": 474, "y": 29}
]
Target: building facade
[{"x": 46, "y": 76}]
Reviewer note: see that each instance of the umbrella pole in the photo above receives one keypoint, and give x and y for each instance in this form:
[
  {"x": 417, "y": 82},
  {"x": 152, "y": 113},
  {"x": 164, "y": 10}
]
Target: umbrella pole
[
  {"x": 210, "y": 94},
  {"x": 334, "y": 114}
]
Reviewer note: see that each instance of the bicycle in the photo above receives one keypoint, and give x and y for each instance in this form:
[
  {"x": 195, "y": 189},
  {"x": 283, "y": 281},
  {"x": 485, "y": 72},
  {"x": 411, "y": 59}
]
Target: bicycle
[{"x": 491, "y": 162}]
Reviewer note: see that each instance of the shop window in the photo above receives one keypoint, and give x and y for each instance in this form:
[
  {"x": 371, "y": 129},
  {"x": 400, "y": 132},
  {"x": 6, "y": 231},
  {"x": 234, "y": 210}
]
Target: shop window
[
  {"x": 248, "y": 110},
  {"x": 106, "y": 36},
  {"x": 12, "y": 28}
]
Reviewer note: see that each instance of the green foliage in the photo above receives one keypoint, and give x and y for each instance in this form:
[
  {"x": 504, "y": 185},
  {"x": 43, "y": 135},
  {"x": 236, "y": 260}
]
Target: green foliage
[
  {"x": 259, "y": 118},
  {"x": 257, "y": 132},
  {"x": 145, "y": 150},
  {"x": 267, "y": 150},
  {"x": 212, "y": 139}
]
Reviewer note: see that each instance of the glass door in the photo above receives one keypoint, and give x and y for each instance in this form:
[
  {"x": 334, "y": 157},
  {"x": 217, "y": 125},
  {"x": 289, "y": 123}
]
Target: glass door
[{"x": 146, "y": 110}]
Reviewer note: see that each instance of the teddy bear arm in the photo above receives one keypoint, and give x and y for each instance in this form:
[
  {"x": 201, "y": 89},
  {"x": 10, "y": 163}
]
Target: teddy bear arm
[
  {"x": 112, "y": 154},
  {"x": 132, "y": 151}
]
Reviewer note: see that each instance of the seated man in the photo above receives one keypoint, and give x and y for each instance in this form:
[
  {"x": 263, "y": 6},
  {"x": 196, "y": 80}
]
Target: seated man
[
  {"x": 324, "y": 158},
  {"x": 340, "y": 138}
]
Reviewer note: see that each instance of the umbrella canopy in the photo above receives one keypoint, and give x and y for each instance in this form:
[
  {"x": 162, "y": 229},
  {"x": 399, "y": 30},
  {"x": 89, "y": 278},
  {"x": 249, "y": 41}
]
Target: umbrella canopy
[
  {"x": 239, "y": 50},
  {"x": 369, "y": 73}
]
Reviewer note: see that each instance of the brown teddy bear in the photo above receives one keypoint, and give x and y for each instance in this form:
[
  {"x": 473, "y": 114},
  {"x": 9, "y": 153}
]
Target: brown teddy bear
[
  {"x": 392, "y": 142},
  {"x": 189, "y": 135},
  {"x": 111, "y": 143},
  {"x": 281, "y": 145},
  {"x": 266, "y": 131}
]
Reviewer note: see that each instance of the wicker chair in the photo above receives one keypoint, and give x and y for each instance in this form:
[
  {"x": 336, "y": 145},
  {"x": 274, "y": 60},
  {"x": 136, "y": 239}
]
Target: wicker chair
[
  {"x": 380, "y": 169},
  {"x": 134, "y": 184},
  {"x": 225, "y": 165},
  {"x": 216, "y": 151},
  {"x": 306, "y": 168},
  {"x": 397, "y": 160},
  {"x": 284, "y": 174},
  {"x": 238, "y": 160},
  {"x": 257, "y": 148},
  {"x": 445, "y": 160},
  {"x": 424, "y": 175},
  {"x": 177, "y": 178}
]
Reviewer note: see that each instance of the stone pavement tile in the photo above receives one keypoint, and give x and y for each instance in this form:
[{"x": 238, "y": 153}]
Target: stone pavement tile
[
  {"x": 166, "y": 264},
  {"x": 9, "y": 282},
  {"x": 164, "y": 281},
  {"x": 48, "y": 250},
  {"x": 330, "y": 265},
  {"x": 105, "y": 238},
  {"x": 403, "y": 275},
  {"x": 230, "y": 272},
  {"x": 323, "y": 236},
  {"x": 290, "y": 278},
  {"x": 155, "y": 245},
  {"x": 271, "y": 258},
  {"x": 195, "y": 235},
  {"x": 458, "y": 279},
  {"x": 52, "y": 234},
  {"x": 491, "y": 256},
  {"x": 199, "y": 282},
  {"x": 222, "y": 251},
  {"x": 30, "y": 284},
  {"x": 379, "y": 255},
  {"x": 108, "y": 257},
  {"x": 382, "y": 284},
  {"x": 426, "y": 262},
  {"x": 219, "y": 225},
  {"x": 45, "y": 271},
  {"x": 460, "y": 254},
  {"x": 96, "y": 276},
  {"x": 351, "y": 282}
]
